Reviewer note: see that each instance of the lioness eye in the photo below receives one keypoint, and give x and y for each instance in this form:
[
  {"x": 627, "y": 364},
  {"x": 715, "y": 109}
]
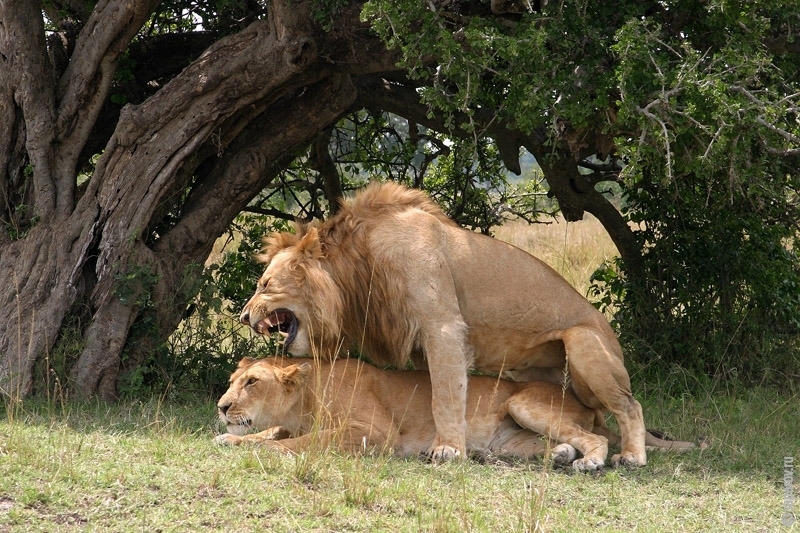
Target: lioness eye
[{"x": 251, "y": 381}]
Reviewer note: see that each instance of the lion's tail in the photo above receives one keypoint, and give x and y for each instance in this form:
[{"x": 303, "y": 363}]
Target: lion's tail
[{"x": 651, "y": 441}]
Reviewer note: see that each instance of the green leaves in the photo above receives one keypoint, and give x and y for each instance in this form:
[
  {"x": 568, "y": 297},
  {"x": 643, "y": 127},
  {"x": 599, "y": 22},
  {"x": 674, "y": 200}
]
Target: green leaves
[{"x": 531, "y": 71}]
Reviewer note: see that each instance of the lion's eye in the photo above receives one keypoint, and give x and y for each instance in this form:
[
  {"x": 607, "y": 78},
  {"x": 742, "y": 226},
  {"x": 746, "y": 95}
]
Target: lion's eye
[
  {"x": 250, "y": 381},
  {"x": 262, "y": 285}
]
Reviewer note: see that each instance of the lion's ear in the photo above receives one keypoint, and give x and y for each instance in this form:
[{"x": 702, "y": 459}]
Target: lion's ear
[
  {"x": 274, "y": 243},
  {"x": 309, "y": 245},
  {"x": 293, "y": 374}
]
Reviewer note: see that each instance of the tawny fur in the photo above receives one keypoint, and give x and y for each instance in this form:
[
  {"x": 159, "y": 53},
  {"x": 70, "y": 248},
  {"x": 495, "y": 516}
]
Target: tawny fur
[
  {"x": 392, "y": 277},
  {"x": 301, "y": 403}
]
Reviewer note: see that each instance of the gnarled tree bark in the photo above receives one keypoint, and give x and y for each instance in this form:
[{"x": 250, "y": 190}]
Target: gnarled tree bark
[{"x": 222, "y": 124}]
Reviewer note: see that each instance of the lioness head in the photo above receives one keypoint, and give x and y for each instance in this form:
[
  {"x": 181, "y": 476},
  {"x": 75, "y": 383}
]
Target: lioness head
[
  {"x": 296, "y": 296},
  {"x": 261, "y": 395}
]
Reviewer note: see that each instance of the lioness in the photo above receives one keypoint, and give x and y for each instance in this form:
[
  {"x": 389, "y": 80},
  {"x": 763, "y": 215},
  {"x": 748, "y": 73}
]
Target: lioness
[
  {"x": 392, "y": 276},
  {"x": 366, "y": 407}
]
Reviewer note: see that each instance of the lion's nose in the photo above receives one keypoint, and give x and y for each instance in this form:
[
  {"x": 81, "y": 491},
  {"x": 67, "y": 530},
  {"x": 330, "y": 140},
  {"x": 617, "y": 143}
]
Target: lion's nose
[
  {"x": 223, "y": 408},
  {"x": 244, "y": 318}
]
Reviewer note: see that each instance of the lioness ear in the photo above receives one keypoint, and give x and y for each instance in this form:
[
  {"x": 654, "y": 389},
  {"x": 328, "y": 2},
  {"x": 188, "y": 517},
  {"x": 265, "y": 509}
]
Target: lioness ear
[
  {"x": 293, "y": 374},
  {"x": 246, "y": 361},
  {"x": 309, "y": 245}
]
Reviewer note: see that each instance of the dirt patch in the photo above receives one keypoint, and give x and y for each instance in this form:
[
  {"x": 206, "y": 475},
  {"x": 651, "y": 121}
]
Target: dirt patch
[{"x": 6, "y": 504}]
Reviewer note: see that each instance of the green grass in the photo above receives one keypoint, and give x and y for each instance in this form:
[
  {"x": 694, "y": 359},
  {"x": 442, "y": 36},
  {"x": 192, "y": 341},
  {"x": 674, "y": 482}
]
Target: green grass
[{"x": 152, "y": 467}]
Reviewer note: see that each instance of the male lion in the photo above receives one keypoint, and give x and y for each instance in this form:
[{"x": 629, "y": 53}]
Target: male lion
[
  {"x": 361, "y": 407},
  {"x": 393, "y": 277}
]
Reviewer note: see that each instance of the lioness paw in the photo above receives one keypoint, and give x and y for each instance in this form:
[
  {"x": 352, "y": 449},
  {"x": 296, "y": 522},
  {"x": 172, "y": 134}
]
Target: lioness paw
[
  {"x": 563, "y": 454},
  {"x": 628, "y": 459},
  {"x": 276, "y": 433},
  {"x": 228, "y": 439},
  {"x": 588, "y": 464},
  {"x": 440, "y": 454}
]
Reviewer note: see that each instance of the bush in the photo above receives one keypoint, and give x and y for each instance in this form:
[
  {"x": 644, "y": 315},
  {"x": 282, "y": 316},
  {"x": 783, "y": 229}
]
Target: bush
[{"x": 721, "y": 290}]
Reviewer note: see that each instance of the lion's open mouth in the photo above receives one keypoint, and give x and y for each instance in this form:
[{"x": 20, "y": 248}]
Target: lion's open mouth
[{"x": 282, "y": 321}]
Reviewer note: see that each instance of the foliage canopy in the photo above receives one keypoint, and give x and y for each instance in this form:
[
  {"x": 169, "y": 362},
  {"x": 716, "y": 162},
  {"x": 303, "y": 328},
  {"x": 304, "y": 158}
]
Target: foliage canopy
[
  {"x": 700, "y": 101},
  {"x": 137, "y": 132}
]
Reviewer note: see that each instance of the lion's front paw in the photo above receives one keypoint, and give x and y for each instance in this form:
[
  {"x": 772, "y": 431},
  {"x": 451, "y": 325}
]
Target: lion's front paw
[
  {"x": 276, "y": 433},
  {"x": 563, "y": 454},
  {"x": 588, "y": 464},
  {"x": 228, "y": 439},
  {"x": 628, "y": 459},
  {"x": 440, "y": 454}
]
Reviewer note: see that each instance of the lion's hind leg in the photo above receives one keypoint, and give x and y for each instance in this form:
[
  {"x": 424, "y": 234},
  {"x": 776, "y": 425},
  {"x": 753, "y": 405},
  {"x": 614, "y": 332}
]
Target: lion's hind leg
[
  {"x": 563, "y": 454},
  {"x": 543, "y": 408},
  {"x": 600, "y": 381},
  {"x": 522, "y": 442}
]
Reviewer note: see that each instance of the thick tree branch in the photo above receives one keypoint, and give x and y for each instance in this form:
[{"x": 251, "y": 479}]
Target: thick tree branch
[
  {"x": 322, "y": 162},
  {"x": 245, "y": 167},
  {"x": 235, "y": 73},
  {"x": 86, "y": 83},
  {"x": 156, "y": 60},
  {"x": 27, "y": 88}
]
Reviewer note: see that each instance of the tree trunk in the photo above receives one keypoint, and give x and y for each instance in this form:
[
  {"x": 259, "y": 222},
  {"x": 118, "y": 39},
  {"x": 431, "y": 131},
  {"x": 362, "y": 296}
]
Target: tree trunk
[
  {"x": 46, "y": 122},
  {"x": 221, "y": 125},
  {"x": 576, "y": 195},
  {"x": 42, "y": 285}
]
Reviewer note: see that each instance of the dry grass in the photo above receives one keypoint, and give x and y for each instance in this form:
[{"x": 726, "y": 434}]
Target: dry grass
[{"x": 574, "y": 249}]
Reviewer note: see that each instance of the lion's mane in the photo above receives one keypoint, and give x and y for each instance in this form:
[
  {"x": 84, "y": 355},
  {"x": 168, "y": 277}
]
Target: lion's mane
[{"x": 355, "y": 299}]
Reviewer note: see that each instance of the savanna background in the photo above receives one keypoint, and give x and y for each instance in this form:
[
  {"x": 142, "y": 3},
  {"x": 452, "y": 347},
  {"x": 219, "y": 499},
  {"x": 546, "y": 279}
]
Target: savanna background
[{"x": 646, "y": 149}]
